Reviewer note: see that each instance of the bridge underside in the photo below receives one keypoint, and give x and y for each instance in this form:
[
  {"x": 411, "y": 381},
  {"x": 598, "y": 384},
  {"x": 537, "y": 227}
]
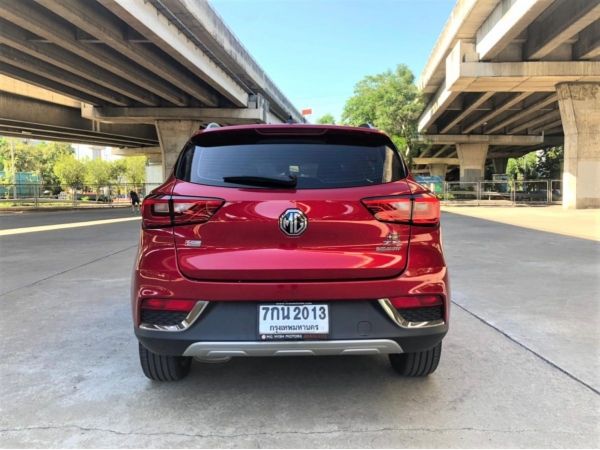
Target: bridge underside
[
  {"x": 137, "y": 70},
  {"x": 510, "y": 68}
]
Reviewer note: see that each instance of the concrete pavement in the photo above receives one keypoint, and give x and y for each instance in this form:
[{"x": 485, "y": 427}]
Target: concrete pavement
[{"x": 70, "y": 374}]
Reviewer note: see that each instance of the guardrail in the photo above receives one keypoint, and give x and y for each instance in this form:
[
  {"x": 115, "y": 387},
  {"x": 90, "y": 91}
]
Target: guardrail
[
  {"x": 450, "y": 192},
  {"x": 42, "y": 195},
  {"x": 498, "y": 192}
]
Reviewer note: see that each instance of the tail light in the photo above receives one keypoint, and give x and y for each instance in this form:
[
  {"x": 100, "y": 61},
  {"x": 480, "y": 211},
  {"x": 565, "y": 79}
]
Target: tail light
[
  {"x": 165, "y": 211},
  {"x": 159, "y": 304},
  {"x": 421, "y": 210},
  {"x": 416, "y": 301}
]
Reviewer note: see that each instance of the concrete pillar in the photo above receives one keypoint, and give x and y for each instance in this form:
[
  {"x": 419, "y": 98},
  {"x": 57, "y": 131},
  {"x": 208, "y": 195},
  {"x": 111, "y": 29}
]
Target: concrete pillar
[
  {"x": 500, "y": 165},
  {"x": 579, "y": 105},
  {"x": 438, "y": 170},
  {"x": 172, "y": 135},
  {"x": 472, "y": 160}
]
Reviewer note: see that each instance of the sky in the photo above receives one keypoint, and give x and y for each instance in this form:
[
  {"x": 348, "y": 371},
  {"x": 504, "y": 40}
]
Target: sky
[{"x": 317, "y": 50}]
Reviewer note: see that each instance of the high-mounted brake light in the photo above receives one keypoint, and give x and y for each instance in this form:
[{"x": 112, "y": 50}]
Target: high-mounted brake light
[
  {"x": 420, "y": 210},
  {"x": 165, "y": 211}
]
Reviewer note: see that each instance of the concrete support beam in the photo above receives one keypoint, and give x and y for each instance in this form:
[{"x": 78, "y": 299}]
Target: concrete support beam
[
  {"x": 17, "y": 87},
  {"x": 535, "y": 76},
  {"x": 84, "y": 15},
  {"x": 580, "y": 112},
  {"x": 543, "y": 118},
  {"x": 28, "y": 63},
  {"x": 518, "y": 98},
  {"x": 17, "y": 38},
  {"x": 173, "y": 135},
  {"x": 530, "y": 109},
  {"x": 565, "y": 21},
  {"x": 223, "y": 116},
  {"x": 445, "y": 161},
  {"x": 481, "y": 139},
  {"x": 438, "y": 170},
  {"x": 472, "y": 161},
  {"x": 44, "y": 83},
  {"x": 441, "y": 150},
  {"x": 36, "y": 19},
  {"x": 153, "y": 24},
  {"x": 207, "y": 27},
  {"x": 462, "y": 51},
  {"x": 502, "y": 26},
  {"x": 468, "y": 110},
  {"x": 500, "y": 165},
  {"x": 588, "y": 43},
  {"x": 43, "y": 119}
]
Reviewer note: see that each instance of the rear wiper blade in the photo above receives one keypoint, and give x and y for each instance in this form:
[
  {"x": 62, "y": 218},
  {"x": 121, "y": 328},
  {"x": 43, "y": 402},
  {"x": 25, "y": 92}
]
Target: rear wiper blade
[{"x": 262, "y": 181}]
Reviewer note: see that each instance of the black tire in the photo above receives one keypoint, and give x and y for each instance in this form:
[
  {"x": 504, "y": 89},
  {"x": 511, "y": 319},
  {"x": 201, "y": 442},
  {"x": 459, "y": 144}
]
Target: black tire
[
  {"x": 164, "y": 367},
  {"x": 418, "y": 364}
]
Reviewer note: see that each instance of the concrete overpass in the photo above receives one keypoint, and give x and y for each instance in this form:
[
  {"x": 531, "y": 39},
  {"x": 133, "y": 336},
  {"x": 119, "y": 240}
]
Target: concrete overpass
[
  {"x": 506, "y": 77},
  {"x": 129, "y": 73}
]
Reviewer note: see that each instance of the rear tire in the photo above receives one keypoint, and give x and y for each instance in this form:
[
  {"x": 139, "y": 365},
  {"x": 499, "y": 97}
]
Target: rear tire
[
  {"x": 418, "y": 364},
  {"x": 163, "y": 367}
]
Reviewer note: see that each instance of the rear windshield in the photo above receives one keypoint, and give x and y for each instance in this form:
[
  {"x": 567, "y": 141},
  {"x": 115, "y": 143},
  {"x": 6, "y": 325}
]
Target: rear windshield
[{"x": 314, "y": 164}]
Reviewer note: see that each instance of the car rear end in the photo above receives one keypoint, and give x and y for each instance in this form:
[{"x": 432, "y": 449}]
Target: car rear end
[{"x": 279, "y": 240}]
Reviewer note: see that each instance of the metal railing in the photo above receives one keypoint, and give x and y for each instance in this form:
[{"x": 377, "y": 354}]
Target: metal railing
[
  {"x": 509, "y": 192},
  {"x": 42, "y": 195},
  {"x": 450, "y": 192}
]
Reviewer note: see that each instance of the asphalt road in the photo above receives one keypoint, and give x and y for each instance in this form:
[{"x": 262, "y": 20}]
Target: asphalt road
[{"x": 519, "y": 366}]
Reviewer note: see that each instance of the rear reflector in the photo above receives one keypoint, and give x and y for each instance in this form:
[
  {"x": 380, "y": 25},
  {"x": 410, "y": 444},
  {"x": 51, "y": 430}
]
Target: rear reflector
[
  {"x": 165, "y": 211},
  {"x": 160, "y": 304},
  {"x": 421, "y": 210},
  {"x": 416, "y": 301}
]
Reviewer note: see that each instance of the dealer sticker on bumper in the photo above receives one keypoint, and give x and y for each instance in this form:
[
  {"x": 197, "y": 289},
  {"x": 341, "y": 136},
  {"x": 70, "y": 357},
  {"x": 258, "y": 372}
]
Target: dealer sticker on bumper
[{"x": 292, "y": 321}]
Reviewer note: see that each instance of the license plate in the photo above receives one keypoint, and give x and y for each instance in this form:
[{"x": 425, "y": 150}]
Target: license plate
[{"x": 293, "y": 321}]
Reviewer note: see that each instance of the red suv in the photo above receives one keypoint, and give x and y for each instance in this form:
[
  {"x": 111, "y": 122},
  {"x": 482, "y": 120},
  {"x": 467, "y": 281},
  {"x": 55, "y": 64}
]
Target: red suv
[{"x": 288, "y": 240}]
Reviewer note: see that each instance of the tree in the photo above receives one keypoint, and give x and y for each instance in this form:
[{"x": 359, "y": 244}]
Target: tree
[
  {"x": 524, "y": 168},
  {"x": 34, "y": 156},
  {"x": 391, "y": 102},
  {"x": 97, "y": 172},
  {"x": 118, "y": 168},
  {"x": 326, "y": 119},
  {"x": 70, "y": 171},
  {"x": 135, "y": 169},
  {"x": 549, "y": 163}
]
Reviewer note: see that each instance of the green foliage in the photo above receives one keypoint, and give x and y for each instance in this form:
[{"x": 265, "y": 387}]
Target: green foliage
[
  {"x": 326, "y": 119},
  {"x": 98, "y": 172},
  {"x": 549, "y": 163},
  {"x": 523, "y": 168},
  {"x": 135, "y": 169},
  {"x": 33, "y": 156},
  {"x": 117, "y": 170},
  {"x": 70, "y": 171},
  {"x": 391, "y": 102}
]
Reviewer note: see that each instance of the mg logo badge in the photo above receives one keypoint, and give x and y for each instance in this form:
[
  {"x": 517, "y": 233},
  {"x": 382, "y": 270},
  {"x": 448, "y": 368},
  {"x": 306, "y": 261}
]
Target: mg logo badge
[{"x": 293, "y": 222}]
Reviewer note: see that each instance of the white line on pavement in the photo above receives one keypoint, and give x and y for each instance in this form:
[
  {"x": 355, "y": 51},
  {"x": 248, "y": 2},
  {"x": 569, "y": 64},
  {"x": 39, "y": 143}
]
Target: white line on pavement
[{"x": 62, "y": 226}]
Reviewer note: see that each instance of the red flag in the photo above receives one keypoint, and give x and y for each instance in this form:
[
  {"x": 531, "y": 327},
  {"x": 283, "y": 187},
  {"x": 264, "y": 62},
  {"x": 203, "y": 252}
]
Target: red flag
[{"x": 307, "y": 111}]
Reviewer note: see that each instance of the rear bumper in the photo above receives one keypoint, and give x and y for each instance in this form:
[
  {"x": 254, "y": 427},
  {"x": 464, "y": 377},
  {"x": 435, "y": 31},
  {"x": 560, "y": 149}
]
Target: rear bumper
[
  {"x": 231, "y": 329},
  {"x": 217, "y": 350}
]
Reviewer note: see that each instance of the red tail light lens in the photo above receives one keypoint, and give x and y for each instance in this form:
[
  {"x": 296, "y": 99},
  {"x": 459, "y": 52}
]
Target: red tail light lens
[
  {"x": 416, "y": 301},
  {"x": 160, "y": 304},
  {"x": 165, "y": 211},
  {"x": 426, "y": 210},
  {"x": 194, "y": 210},
  {"x": 422, "y": 210}
]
